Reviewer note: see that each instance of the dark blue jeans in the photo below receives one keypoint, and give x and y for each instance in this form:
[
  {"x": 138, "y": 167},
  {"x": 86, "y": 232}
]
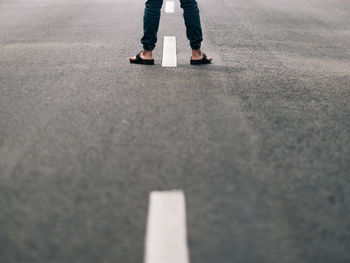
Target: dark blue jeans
[{"x": 151, "y": 23}]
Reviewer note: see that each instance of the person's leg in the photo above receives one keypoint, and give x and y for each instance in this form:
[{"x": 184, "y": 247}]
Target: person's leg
[
  {"x": 151, "y": 24},
  {"x": 150, "y": 27},
  {"x": 193, "y": 27},
  {"x": 192, "y": 22}
]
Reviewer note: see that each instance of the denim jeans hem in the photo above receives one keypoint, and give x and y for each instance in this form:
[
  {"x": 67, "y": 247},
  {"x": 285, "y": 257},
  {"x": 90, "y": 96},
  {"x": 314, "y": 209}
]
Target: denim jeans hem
[
  {"x": 148, "y": 47},
  {"x": 196, "y": 46}
]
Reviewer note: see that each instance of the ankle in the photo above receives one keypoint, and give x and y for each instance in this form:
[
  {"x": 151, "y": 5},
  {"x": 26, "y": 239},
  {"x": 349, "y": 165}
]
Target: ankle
[
  {"x": 196, "y": 53},
  {"x": 147, "y": 53}
]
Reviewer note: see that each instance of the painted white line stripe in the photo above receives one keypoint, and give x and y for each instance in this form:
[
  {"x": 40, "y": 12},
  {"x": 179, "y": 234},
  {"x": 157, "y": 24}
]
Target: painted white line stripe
[
  {"x": 169, "y": 7},
  {"x": 166, "y": 238},
  {"x": 169, "y": 52}
]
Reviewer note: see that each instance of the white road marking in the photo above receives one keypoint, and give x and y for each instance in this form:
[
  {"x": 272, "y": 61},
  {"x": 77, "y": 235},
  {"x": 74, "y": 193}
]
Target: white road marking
[
  {"x": 169, "y": 7},
  {"x": 166, "y": 238},
  {"x": 169, "y": 52}
]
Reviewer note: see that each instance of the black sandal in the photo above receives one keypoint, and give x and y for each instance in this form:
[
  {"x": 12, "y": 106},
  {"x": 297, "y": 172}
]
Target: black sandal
[
  {"x": 139, "y": 60},
  {"x": 202, "y": 61}
]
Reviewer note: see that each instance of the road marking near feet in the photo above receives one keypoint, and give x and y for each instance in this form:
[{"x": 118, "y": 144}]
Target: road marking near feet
[
  {"x": 166, "y": 237},
  {"x": 169, "y": 52},
  {"x": 169, "y": 7}
]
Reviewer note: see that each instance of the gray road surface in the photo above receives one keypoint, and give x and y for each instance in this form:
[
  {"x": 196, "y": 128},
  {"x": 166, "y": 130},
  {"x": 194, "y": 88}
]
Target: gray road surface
[{"x": 259, "y": 141}]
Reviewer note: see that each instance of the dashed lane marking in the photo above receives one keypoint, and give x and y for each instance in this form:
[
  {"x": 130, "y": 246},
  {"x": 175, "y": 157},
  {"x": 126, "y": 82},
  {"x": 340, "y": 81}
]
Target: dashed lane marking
[
  {"x": 166, "y": 237},
  {"x": 169, "y": 7},
  {"x": 169, "y": 52}
]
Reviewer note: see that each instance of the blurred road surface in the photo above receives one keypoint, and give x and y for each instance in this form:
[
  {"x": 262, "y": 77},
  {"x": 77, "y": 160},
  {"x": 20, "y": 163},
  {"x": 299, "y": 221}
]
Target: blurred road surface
[{"x": 259, "y": 141}]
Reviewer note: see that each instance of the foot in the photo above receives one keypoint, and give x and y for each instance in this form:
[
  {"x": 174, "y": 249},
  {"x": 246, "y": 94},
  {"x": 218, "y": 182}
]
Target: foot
[
  {"x": 200, "y": 58},
  {"x": 145, "y": 54},
  {"x": 197, "y": 54}
]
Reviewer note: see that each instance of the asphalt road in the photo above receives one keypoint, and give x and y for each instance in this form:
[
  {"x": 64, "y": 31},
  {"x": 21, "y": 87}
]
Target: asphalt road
[{"x": 259, "y": 141}]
